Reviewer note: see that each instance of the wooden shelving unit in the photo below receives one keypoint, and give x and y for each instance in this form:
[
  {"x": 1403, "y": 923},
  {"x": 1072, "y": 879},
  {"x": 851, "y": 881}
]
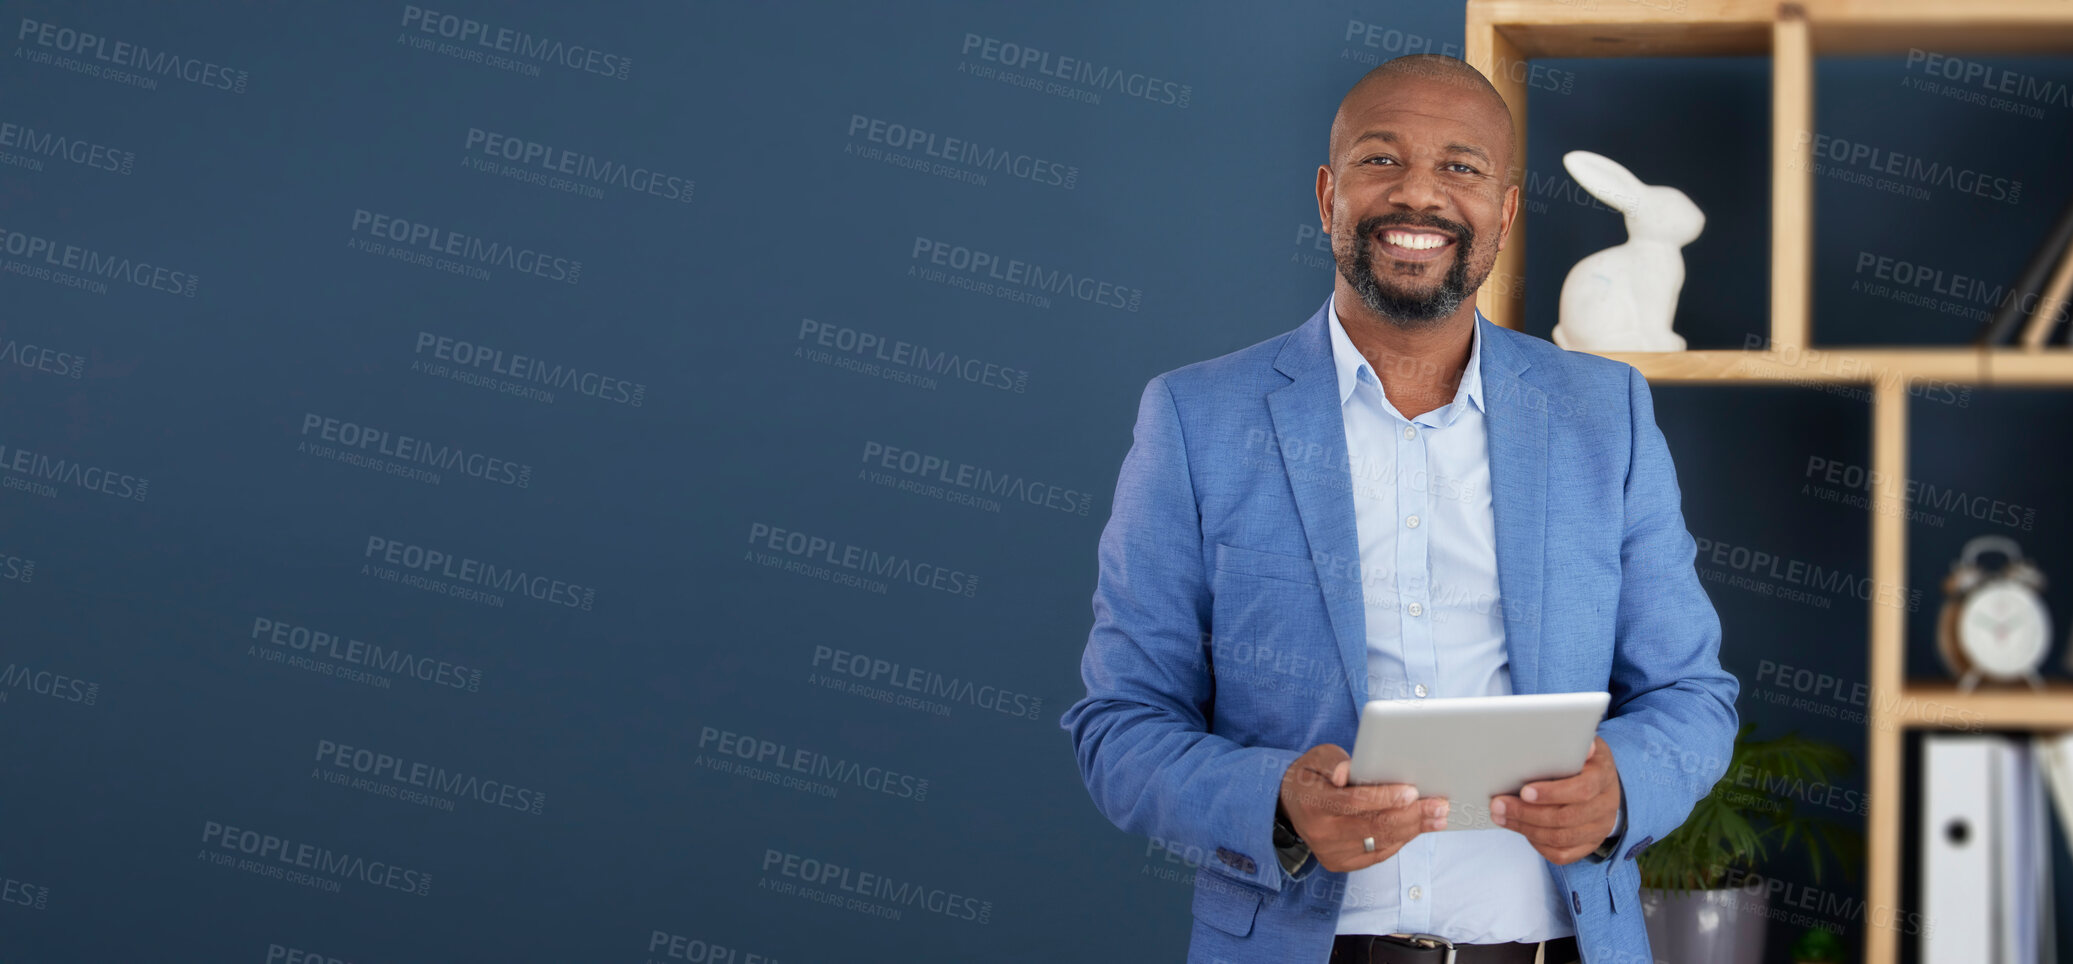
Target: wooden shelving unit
[
  {"x": 1931, "y": 704},
  {"x": 1503, "y": 34}
]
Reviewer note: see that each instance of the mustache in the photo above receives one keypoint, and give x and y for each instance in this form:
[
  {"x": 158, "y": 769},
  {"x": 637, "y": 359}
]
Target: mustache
[
  {"x": 1404, "y": 308},
  {"x": 1373, "y": 224}
]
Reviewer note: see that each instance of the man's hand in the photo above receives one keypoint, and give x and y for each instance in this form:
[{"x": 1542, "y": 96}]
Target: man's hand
[
  {"x": 1334, "y": 818},
  {"x": 1568, "y": 818}
]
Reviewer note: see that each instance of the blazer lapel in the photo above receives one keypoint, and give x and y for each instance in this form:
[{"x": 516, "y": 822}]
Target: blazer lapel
[
  {"x": 1516, "y": 414},
  {"x": 1307, "y": 413}
]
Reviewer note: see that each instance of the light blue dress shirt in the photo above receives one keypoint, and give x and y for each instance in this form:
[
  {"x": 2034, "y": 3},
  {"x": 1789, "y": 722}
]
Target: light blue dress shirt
[{"x": 1435, "y": 628}]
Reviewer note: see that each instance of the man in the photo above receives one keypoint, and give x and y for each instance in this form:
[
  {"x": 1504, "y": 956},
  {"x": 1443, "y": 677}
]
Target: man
[{"x": 1400, "y": 500}]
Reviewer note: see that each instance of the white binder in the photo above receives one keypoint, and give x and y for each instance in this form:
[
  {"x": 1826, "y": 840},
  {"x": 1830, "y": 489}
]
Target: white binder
[
  {"x": 1986, "y": 872},
  {"x": 2024, "y": 890},
  {"x": 2054, "y": 755},
  {"x": 1957, "y": 835}
]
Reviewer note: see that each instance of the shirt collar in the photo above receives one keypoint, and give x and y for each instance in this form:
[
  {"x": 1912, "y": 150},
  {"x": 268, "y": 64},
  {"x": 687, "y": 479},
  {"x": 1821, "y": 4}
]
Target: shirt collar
[{"x": 1350, "y": 363}]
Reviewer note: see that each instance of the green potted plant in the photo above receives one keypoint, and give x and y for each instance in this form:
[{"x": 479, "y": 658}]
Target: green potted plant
[
  {"x": 1703, "y": 897},
  {"x": 1818, "y": 946}
]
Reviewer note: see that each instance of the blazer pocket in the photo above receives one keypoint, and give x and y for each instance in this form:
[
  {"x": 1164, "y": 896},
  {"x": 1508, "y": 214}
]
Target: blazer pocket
[
  {"x": 1226, "y": 906},
  {"x": 1267, "y": 565}
]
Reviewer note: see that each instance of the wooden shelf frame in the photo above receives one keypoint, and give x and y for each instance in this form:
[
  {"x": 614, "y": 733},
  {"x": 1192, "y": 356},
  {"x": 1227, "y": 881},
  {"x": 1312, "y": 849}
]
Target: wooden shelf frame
[
  {"x": 1937, "y": 705},
  {"x": 1867, "y": 365},
  {"x": 1502, "y": 35}
]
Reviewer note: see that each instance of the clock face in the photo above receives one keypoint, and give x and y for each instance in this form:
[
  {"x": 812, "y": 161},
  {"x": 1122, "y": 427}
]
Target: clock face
[{"x": 2004, "y": 628}]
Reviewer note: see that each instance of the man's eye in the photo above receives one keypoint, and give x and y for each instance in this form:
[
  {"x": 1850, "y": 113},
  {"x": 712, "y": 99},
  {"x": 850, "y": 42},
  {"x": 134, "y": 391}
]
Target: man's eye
[
  {"x": 1379, "y": 157},
  {"x": 1464, "y": 168}
]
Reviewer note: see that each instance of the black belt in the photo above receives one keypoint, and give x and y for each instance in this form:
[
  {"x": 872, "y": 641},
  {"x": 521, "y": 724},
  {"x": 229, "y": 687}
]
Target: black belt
[{"x": 1427, "y": 949}]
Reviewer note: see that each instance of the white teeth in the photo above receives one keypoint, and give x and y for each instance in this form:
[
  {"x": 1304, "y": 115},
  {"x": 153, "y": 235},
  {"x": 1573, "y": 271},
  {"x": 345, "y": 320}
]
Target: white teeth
[{"x": 1416, "y": 242}]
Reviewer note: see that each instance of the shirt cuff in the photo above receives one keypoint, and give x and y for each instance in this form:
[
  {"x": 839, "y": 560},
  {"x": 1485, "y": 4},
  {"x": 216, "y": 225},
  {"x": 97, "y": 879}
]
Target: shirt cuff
[
  {"x": 1619, "y": 829},
  {"x": 1289, "y": 849}
]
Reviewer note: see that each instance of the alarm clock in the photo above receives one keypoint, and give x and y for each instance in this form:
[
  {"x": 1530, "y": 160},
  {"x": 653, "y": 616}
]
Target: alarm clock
[{"x": 1994, "y": 625}]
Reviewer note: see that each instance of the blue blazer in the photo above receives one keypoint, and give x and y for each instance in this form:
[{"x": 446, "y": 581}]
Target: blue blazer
[{"x": 1229, "y": 636}]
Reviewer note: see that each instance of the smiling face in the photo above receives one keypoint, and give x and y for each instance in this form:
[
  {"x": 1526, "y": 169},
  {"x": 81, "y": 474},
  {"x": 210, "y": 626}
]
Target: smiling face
[{"x": 1415, "y": 195}]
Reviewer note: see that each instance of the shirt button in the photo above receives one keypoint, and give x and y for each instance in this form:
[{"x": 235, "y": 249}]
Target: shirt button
[
  {"x": 1415, "y": 893},
  {"x": 1412, "y": 522},
  {"x": 1417, "y": 610},
  {"x": 1410, "y": 432},
  {"x": 1419, "y": 689}
]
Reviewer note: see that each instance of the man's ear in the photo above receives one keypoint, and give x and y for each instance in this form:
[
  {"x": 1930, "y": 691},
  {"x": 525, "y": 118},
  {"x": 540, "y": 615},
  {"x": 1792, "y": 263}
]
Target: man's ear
[
  {"x": 1511, "y": 211},
  {"x": 1326, "y": 190}
]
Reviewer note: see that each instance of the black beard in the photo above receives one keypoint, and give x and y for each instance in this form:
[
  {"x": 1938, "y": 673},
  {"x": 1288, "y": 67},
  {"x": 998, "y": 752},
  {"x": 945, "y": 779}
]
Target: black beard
[{"x": 1402, "y": 307}]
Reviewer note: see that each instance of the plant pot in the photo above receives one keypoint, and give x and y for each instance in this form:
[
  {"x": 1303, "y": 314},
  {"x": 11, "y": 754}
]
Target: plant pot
[{"x": 1723, "y": 926}]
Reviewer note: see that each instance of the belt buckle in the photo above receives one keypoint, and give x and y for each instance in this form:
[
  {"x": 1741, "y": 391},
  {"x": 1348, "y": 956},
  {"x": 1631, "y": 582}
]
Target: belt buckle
[{"x": 1424, "y": 942}]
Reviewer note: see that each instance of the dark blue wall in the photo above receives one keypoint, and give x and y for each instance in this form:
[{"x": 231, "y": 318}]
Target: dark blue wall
[{"x": 716, "y": 328}]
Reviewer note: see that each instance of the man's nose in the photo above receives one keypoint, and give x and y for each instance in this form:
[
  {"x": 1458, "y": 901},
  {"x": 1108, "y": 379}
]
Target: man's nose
[{"x": 1417, "y": 190}]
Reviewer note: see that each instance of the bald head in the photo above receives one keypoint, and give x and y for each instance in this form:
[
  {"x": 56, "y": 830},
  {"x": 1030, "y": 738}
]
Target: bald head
[
  {"x": 1435, "y": 82},
  {"x": 1418, "y": 194}
]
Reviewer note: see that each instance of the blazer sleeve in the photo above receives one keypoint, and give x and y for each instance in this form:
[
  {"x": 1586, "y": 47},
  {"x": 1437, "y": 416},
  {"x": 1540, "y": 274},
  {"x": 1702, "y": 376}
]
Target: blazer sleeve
[
  {"x": 1672, "y": 720},
  {"x": 1141, "y": 734}
]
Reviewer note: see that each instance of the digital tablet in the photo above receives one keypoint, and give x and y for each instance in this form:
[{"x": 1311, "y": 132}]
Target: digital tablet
[{"x": 1471, "y": 748}]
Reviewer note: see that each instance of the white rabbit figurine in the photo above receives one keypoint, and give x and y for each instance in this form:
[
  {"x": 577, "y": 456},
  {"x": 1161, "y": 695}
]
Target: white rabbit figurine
[{"x": 1623, "y": 298}]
